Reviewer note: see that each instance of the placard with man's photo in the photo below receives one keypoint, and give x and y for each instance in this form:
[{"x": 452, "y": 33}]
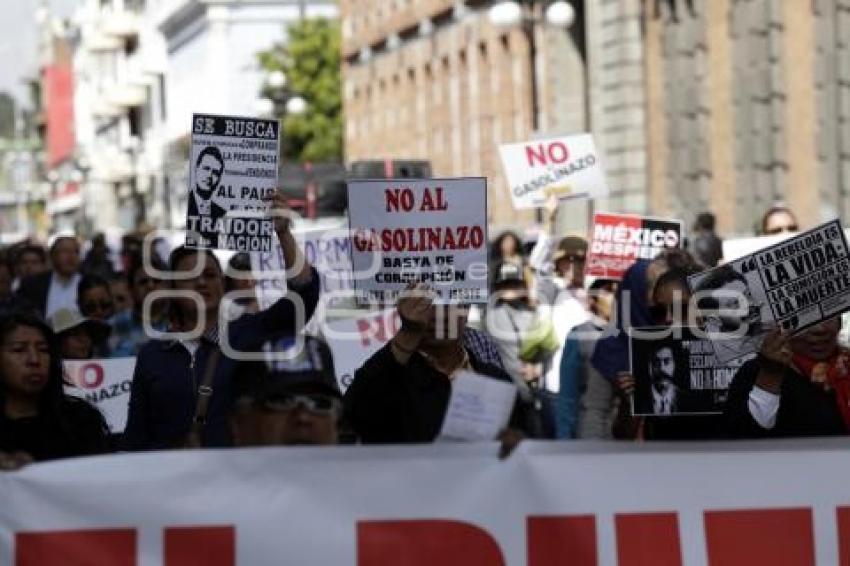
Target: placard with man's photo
[
  {"x": 677, "y": 373},
  {"x": 233, "y": 170},
  {"x": 791, "y": 285}
]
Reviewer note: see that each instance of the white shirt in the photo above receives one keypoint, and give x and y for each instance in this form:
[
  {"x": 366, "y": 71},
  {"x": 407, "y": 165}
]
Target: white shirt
[
  {"x": 61, "y": 295},
  {"x": 567, "y": 312},
  {"x": 763, "y": 406}
]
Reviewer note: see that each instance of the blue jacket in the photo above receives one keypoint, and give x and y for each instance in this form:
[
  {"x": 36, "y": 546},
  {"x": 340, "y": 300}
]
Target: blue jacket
[{"x": 165, "y": 384}]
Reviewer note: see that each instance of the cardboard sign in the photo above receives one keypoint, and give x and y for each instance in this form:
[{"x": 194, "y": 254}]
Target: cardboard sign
[
  {"x": 419, "y": 231},
  {"x": 233, "y": 168},
  {"x": 565, "y": 167},
  {"x": 103, "y": 383},
  {"x": 328, "y": 250},
  {"x": 795, "y": 284},
  {"x": 677, "y": 373},
  {"x": 354, "y": 340},
  {"x": 619, "y": 240}
]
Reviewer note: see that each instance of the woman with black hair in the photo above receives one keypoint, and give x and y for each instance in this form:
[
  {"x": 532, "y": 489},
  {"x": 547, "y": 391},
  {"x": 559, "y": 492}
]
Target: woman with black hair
[
  {"x": 507, "y": 248},
  {"x": 38, "y": 421},
  {"x": 182, "y": 383}
]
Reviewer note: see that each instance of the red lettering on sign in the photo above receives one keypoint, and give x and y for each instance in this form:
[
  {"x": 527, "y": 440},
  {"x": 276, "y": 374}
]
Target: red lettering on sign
[
  {"x": 555, "y": 152},
  {"x": 90, "y": 376},
  {"x": 424, "y": 543},
  {"x": 399, "y": 198},
  {"x": 200, "y": 546},
  {"x": 553, "y": 541},
  {"x": 650, "y": 539},
  {"x": 778, "y": 537},
  {"x": 115, "y": 547},
  {"x": 842, "y": 519}
]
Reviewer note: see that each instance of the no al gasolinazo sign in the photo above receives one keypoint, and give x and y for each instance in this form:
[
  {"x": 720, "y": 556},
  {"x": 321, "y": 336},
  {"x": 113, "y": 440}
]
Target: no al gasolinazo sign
[{"x": 565, "y": 167}]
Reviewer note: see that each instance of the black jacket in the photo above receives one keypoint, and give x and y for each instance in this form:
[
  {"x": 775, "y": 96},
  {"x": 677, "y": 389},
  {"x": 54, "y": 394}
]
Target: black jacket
[
  {"x": 391, "y": 403},
  {"x": 805, "y": 409},
  {"x": 77, "y": 430},
  {"x": 33, "y": 291},
  {"x": 165, "y": 383}
]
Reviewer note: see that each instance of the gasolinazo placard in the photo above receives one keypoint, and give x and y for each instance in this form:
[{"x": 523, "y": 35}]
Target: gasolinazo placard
[
  {"x": 103, "y": 383},
  {"x": 233, "y": 167},
  {"x": 794, "y": 285},
  {"x": 430, "y": 231},
  {"x": 564, "y": 167},
  {"x": 677, "y": 373},
  {"x": 619, "y": 240}
]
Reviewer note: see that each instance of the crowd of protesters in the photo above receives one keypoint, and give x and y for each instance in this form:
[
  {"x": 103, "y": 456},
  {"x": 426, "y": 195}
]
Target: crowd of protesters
[{"x": 560, "y": 338}]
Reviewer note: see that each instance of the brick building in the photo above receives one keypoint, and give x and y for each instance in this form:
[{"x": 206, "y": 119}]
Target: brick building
[
  {"x": 749, "y": 104},
  {"x": 433, "y": 79},
  {"x": 722, "y": 105}
]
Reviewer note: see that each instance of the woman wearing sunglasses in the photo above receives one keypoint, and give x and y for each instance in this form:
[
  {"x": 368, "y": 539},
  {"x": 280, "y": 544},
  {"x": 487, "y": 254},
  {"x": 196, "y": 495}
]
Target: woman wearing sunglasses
[{"x": 94, "y": 299}]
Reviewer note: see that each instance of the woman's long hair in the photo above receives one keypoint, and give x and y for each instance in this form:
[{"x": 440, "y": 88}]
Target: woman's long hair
[{"x": 52, "y": 398}]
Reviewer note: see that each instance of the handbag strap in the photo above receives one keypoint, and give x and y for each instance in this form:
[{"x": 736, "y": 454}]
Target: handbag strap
[{"x": 205, "y": 391}]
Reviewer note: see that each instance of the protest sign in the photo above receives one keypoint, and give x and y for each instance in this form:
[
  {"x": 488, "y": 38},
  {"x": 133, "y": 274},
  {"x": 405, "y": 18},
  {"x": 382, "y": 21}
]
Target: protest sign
[
  {"x": 479, "y": 408},
  {"x": 619, "y": 240},
  {"x": 328, "y": 250},
  {"x": 430, "y": 231},
  {"x": 564, "y": 167},
  {"x": 355, "y": 340},
  {"x": 103, "y": 383},
  {"x": 726, "y": 504},
  {"x": 794, "y": 284},
  {"x": 233, "y": 168},
  {"x": 677, "y": 373}
]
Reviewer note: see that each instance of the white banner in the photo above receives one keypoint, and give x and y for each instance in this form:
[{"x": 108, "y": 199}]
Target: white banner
[
  {"x": 105, "y": 384},
  {"x": 718, "y": 504},
  {"x": 565, "y": 167}
]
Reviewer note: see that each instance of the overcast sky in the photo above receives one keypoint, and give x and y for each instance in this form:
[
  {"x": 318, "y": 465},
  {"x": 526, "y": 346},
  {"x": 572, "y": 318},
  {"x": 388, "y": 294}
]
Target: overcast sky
[{"x": 18, "y": 40}]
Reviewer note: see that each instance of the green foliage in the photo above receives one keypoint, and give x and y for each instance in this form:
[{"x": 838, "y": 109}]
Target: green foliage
[{"x": 311, "y": 62}]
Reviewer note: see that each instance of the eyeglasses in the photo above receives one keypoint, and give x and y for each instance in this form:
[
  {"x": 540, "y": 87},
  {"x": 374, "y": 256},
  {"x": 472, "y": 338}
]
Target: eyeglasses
[{"x": 316, "y": 404}]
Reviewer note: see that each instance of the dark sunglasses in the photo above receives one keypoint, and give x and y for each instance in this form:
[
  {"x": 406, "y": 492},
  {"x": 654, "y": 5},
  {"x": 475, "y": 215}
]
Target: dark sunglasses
[{"x": 315, "y": 403}]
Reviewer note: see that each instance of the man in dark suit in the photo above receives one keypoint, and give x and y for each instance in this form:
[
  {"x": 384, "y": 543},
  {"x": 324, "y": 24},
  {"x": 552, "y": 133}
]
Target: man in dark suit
[
  {"x": 209, "y": 167},
  {"x": 55, "y": 289}
]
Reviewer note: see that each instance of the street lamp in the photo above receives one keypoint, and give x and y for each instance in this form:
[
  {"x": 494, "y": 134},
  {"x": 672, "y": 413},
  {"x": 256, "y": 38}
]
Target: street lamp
[
  {"x": 276, "y": 79},
  {"x": 296, "y": 105},
  {"x": 509, "y": 13}
]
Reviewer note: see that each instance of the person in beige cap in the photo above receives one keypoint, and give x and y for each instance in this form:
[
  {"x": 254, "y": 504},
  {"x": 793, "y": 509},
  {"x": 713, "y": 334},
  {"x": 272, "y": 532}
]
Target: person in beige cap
[
  {"x": 78, "y": 336},
  {"x": 569, "y": 260},
  {"x": 562, "y": 299}
]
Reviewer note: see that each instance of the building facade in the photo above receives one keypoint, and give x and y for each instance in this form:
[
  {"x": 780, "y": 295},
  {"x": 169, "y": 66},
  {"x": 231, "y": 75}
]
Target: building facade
[
  {"x": 749, "y": 105},
  {"x": 435, "y": 80},
  {"x": 212, "y": 48},
  {"x": 723, "y": 105}
]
